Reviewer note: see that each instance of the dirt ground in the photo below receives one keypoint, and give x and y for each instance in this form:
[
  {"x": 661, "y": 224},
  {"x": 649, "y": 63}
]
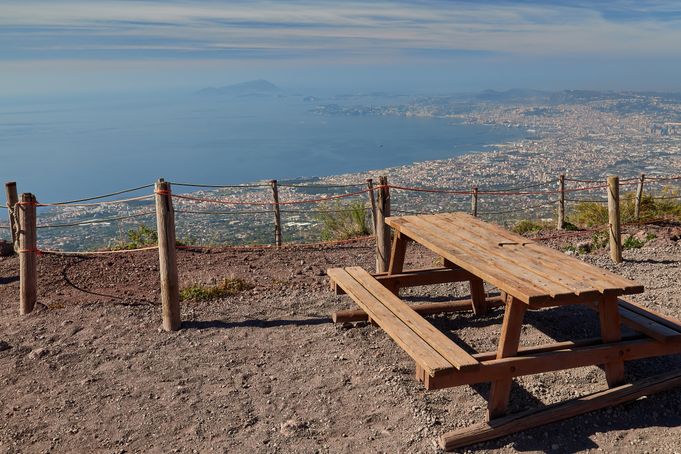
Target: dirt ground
[{"x": 266, "y": 371}]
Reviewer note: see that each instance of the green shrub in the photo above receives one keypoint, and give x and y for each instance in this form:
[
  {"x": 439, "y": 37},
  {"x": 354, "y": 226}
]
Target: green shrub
[
  {"x": 569, "y": 226},
  {"x": 632, "y": 243},
  {"x": 589, "y": 214},
  {"x": 527, "y": 226},
  {"x": 142, "y": 236},
  {"x": 600, "y": 240},
  {"x": 202, "y": 292},
  {"x": 343, "y": 221}
]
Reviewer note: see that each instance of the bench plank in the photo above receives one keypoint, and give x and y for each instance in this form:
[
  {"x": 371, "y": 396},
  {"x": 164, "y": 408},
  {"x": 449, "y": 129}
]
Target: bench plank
[
  {"x": 418, "y": 277},
  {"x": 422, "y": 353},
  {"x": 658, "y": 317},
  {"x": 645, "y": 322},
  {"x": 456, "y": 355}
]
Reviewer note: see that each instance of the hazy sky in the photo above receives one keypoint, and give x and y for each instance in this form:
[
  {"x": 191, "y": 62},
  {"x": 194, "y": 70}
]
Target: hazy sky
[{"x": 70, "y": 46}]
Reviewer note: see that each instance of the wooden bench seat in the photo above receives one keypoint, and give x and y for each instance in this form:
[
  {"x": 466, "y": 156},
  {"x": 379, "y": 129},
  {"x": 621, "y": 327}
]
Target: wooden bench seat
[
  {"x": 646, "y": 321},
  {"x": 415, "y": 278},
  {"x": 432, "y": 351}
]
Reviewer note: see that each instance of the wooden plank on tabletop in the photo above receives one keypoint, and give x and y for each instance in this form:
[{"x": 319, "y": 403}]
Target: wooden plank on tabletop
[
  {"x": 545, "y": 263},
  {"x": 500, "y": 271},
  {"x": 490, "y": 242},
  {"x": 521, "y": 288},
  {"x": 616, "y": 281}
]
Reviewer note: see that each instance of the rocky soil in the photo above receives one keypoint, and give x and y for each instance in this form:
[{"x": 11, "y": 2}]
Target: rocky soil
[{"x": 266, "y": 371}]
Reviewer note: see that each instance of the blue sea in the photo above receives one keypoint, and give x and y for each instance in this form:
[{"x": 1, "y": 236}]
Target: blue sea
[{"x": 73, "y": 148}]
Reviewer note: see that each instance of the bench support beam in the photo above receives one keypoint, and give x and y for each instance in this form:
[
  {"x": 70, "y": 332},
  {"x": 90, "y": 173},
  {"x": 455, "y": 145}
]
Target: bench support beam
[
  {"x": 558, "y": 412},
  {"x": 508, "y": 346},
  {"x": 608, "y": 313},
  {"x": 358, "y": 315}
]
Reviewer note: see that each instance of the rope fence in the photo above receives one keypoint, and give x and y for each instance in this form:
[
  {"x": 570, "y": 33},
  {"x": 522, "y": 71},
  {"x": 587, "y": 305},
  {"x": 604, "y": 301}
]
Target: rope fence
[
  {"x": 456, "y": 200},
  {"x": 267, "y": 201}
]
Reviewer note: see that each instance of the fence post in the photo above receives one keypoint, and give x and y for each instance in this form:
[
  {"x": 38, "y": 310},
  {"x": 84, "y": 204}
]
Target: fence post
[
  {"x": 639, "y": 196},
  {"x": 474, "y": 201},
  {"x": 561, "y": 202},
  {"x": 165, "y": 225},
  {"x": 12, "y": 199},
  {"x": 277, "y": 213},
  {"x": 28, "y": 250},
  {"x": 614, "y": 219},
  {"x": 372, "y": 199},
  {"x": 382, "y": 229}
]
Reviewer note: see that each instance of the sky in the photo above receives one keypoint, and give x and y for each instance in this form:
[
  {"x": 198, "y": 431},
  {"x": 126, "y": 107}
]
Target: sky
[{"x": 65, "y": 46}]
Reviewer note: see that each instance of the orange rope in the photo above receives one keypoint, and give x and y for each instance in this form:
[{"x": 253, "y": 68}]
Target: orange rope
[
  {"x": 30, "y": 251},
  {"x": 292, "y": 202},
  {"x": 122, "y": 251},
  {"x": 109, "y": 202},
  {"x": 283, "y": 246}
]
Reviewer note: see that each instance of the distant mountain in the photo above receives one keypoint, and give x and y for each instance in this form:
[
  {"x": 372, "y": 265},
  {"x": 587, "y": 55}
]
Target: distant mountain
[
  {"x": 517, "y": 95},
  {"x": 258, "y": 87},
  {"x": 513, "y": 95}
]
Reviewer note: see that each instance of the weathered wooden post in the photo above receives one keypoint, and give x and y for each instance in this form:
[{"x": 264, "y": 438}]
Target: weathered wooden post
[
  {"x": 28, "y": 250},
  {"x": 277, "y": 213},
  {"x": 614, "y": 219},
  {"x": 382, "y": 229},
  {"x": 170, "y": 288},
  {"x": 561, "y": 202},
  {"x": 639, "y": 197},
  {"x": 372, "y": 200},
  {"x": 474, "y": 201},
  {"x": 12, "y": 199}
]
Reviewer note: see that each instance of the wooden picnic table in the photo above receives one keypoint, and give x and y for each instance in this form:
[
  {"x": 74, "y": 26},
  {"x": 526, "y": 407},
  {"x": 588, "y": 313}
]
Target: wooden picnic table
[{"x": 528, "y": 276}]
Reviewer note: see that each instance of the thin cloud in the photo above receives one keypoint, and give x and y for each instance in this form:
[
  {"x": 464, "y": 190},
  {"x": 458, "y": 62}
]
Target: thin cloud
[{"x": 300, "y": 30}]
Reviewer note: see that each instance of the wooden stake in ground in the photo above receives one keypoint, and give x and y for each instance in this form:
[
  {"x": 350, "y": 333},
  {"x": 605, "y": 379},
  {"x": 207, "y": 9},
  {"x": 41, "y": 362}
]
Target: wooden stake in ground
[
  {"x": 372, "y": 200},
  {"x": 383, "y": 229},
  {"x": 170, "y": 289},
  {"x": 561, "y": 202},
  {"x": 474, "y": 201},
  {"x": 639, "y": 196},
  {"x": 614, "y": 226},
  {"x": 277, "y": 213},
  {"x": 28, "y": 250},
  {"x": 12, "y": 199}
]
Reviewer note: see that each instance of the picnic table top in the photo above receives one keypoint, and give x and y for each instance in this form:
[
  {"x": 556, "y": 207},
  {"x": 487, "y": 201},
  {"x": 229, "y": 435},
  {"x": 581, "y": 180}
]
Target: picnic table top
[{"x": 526, "y": 270}]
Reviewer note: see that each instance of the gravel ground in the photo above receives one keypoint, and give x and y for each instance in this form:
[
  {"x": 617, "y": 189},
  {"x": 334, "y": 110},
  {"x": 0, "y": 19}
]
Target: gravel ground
[{"x": 265, "y": 371}]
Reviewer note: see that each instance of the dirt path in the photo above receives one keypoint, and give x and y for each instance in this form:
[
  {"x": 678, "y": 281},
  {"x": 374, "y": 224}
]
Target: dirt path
[{"x": 265, "y": 371}]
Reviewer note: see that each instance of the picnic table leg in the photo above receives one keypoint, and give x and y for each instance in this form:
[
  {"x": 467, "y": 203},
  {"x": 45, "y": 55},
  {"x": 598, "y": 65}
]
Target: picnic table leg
[
  {"x": 508, "y": 346},
  {"x": 399, "y": 248},
  {"x": 478, "y": 296},
  {"x": 608, "y": 313}
]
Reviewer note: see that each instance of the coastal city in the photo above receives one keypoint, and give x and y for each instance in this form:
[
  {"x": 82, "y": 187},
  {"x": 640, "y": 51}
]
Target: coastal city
[{"x": 584, "y": 136}]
